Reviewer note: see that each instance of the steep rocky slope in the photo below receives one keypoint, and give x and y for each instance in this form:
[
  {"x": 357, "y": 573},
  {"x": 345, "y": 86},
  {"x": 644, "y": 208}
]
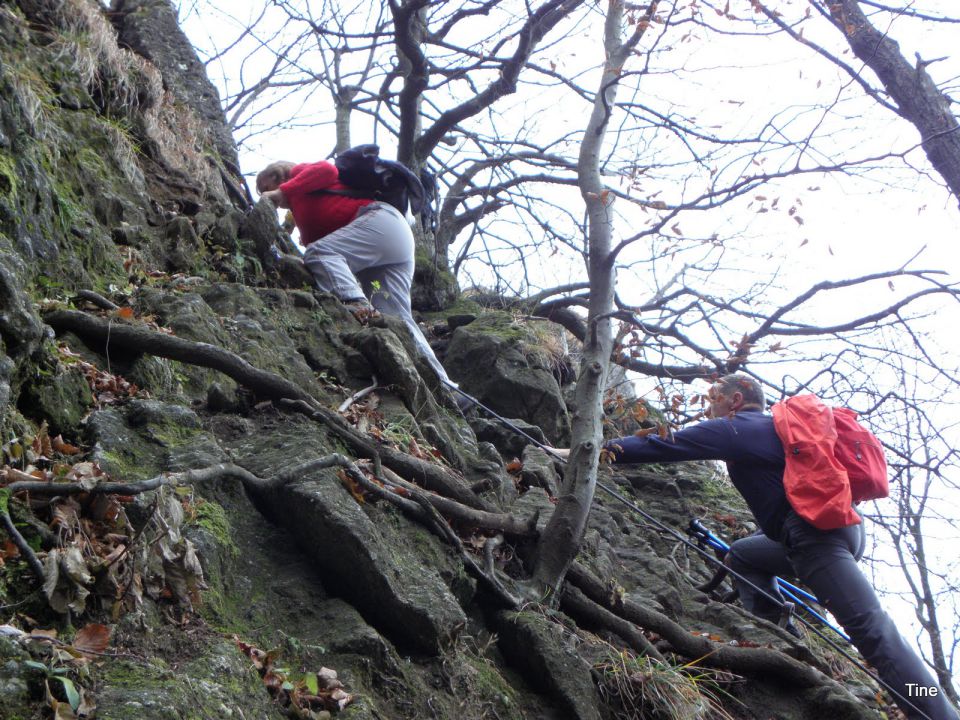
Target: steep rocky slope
[{"x": 154, "y": 335}]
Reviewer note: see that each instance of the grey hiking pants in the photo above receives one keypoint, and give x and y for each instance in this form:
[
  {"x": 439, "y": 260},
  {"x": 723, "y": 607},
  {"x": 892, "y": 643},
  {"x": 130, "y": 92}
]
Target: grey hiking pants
[
  {"x": 826, "y": 562},
  {"x": 372, "y": 257}
]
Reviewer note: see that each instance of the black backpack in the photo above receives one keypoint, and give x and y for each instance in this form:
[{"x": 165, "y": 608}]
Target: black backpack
[{"x": 367, "y": 175}]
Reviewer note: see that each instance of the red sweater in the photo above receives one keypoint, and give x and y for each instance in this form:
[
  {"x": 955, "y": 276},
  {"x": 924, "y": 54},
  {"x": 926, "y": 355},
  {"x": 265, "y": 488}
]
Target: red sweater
[{"x": 321, "y": 214}]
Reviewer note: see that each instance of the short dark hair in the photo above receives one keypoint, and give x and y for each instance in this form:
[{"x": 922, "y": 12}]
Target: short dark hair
[{"x": 745, "y": 385}]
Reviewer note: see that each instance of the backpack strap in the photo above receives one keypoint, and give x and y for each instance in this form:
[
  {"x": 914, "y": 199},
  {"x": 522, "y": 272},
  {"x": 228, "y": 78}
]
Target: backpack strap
[{"x": 346, "y": 192}]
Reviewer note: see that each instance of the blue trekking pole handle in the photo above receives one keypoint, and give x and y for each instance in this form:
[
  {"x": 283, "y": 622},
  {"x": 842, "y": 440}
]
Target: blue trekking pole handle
[
  {"x": 798, "y": 595},
  {"x": 807, "y": 608}
]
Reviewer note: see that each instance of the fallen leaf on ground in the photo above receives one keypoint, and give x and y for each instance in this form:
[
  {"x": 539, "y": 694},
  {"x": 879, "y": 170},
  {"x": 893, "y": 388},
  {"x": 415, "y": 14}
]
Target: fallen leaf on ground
[{"x": 92, "y": 638}]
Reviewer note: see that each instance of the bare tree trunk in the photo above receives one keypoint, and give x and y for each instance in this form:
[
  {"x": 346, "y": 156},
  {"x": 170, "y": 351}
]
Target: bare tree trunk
[
  {"x": 926, "y": 612},
  {"x": 343, "y": 102},
  {"x": 918, "y": 98},
  {"x": 562, "y": 536},
  {"x": 408, "y": 21}
]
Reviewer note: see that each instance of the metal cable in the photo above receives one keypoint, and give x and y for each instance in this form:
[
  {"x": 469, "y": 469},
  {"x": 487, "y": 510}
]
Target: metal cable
[{"x": 706, "y": 555}]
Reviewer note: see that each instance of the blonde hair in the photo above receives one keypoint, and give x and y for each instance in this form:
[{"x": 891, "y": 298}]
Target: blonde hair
[{"x": 273, "y": 175}]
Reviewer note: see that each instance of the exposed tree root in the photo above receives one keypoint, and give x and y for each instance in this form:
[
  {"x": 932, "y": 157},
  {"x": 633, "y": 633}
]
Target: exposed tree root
[
  {"x": 190, "y": 477},
  {"x": 428, "y": 475},
  {"x": 36, "y": 567},
  {"x": 489, "y": 548},
  {"x": 501, "y": 522},
  {"x": 589, "y": 613},
  {"x": 96, "y": 299},
  {"x": 424, "y": 509},
  {"x": 359, "y": 395},
  {"x": 264, "y": 384},
  {"x": 764, "y": 662},
  {"x": 140, "y": 339},
  {"x": 506, "y": 598}
]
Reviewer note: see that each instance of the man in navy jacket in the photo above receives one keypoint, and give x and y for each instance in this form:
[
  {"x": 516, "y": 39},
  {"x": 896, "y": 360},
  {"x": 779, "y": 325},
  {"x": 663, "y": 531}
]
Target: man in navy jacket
[{"x": 741, "y": 434}]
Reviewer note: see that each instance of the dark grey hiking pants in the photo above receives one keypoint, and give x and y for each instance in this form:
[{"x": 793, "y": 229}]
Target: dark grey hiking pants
[{"x": 826, "y": 562}]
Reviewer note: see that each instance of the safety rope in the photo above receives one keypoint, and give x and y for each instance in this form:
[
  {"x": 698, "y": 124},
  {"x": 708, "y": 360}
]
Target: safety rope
[{"x": 706, "y": 555}]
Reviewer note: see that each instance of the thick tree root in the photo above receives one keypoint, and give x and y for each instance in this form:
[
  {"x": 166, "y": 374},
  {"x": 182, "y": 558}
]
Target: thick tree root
[
  {"x": 271, "y": 386},
  {"x": 190, "y": 477},
  {"x": 591, "y": 614},
  {"x": 141, "y": 339},
  {"x": 481, "y": 519},
  {"x": 506, "y": 598},
  {"x": 428, "y": 475},
  {"x": 759, "y": 662}
]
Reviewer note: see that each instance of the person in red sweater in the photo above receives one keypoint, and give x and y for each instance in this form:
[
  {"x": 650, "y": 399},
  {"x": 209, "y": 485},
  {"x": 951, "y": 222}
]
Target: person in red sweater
[{"x": 356, "y": 248}]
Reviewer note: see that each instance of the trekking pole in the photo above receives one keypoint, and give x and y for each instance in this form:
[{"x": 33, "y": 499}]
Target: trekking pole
[
  {"x": 718, "y": 544},
  {"x": 799, "y": 596},
  {"x": 674, "y": 533}
]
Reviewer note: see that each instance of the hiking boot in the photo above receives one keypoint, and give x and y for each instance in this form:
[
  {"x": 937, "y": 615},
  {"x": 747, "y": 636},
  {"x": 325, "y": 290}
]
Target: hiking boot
[
  {"x": 362, "y": 310},
  {"x": 793, "y": 630},
  {"x": 463, "y": 403}
]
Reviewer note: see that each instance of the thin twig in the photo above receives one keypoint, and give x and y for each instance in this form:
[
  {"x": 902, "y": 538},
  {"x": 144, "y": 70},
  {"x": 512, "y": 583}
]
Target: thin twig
[
  {"x": 359, "y": 395},
  {"x": 95, "y": 299},
  {"x": 35, "y": 565}
]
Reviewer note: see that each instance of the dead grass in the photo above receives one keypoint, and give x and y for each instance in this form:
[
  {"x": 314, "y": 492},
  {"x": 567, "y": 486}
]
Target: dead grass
[{"x": 638, "y": 688}]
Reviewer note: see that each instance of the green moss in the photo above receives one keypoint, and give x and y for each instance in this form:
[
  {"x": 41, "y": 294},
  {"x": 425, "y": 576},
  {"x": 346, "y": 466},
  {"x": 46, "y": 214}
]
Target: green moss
[
  {"x": 129, "y": 674},
  {"x": 213, "y": 518},
  {"x": 173, "y": 434},
  {"x": 477, "y": 682},
  {"x": 502, "y": 325},
  {"x": 127, "y": 466},
  {"x": 8, "y": 176},
  {"x": 229, "y": 613}
]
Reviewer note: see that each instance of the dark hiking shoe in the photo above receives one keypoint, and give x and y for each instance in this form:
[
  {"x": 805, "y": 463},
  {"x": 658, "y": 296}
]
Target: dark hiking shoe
[
  {"x": 463, "y": 403},
  {"x": 793, "y": 630}
]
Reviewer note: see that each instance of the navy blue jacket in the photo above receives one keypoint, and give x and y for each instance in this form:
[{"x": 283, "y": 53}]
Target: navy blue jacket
[{"x": 749, "y": 445}]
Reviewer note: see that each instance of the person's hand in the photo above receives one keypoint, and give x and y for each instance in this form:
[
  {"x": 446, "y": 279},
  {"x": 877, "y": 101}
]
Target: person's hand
[
  {"x": 561, "y": 452},
  {"x": 276, "y": 197}
]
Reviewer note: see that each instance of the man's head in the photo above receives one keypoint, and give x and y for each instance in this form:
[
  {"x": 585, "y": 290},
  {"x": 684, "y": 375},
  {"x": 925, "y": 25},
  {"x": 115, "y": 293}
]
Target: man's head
[
  {"x": 733, "y": 393},
  {"x": 273, "y": 175}
]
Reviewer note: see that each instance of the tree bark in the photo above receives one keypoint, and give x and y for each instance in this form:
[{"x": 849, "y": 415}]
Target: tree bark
[
  {"x": 562, "y": 536},
  {"x": 918, "y": 98}
]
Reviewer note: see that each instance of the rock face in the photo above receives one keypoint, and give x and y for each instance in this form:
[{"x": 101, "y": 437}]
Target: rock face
[
  {"x": 120, "y": 196},
  {"x": 503, "y": 365}
]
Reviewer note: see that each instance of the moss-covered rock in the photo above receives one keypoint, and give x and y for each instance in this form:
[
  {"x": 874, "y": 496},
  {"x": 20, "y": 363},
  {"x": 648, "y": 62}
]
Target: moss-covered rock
[
  {"x": 505, "y": 365},
  {"x": 60, "y": 396},
  {"x": 218, "y": 682},
  {"x": 18, "y": 700},
  {"x": 545, "y": 651}
]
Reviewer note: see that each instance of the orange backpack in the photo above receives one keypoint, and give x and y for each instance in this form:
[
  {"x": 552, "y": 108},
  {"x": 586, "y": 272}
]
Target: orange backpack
[{"x": 832, "y": 461}]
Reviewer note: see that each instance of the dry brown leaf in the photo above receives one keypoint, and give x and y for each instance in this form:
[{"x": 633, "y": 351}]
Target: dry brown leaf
[
  {"x": 62, "y": 447},
  {"x": 9, "y": 550},
  {"x": 92, "y": 638},
  {"x": 41, "y": 443},
  {"x": 14, "y": 475}
]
